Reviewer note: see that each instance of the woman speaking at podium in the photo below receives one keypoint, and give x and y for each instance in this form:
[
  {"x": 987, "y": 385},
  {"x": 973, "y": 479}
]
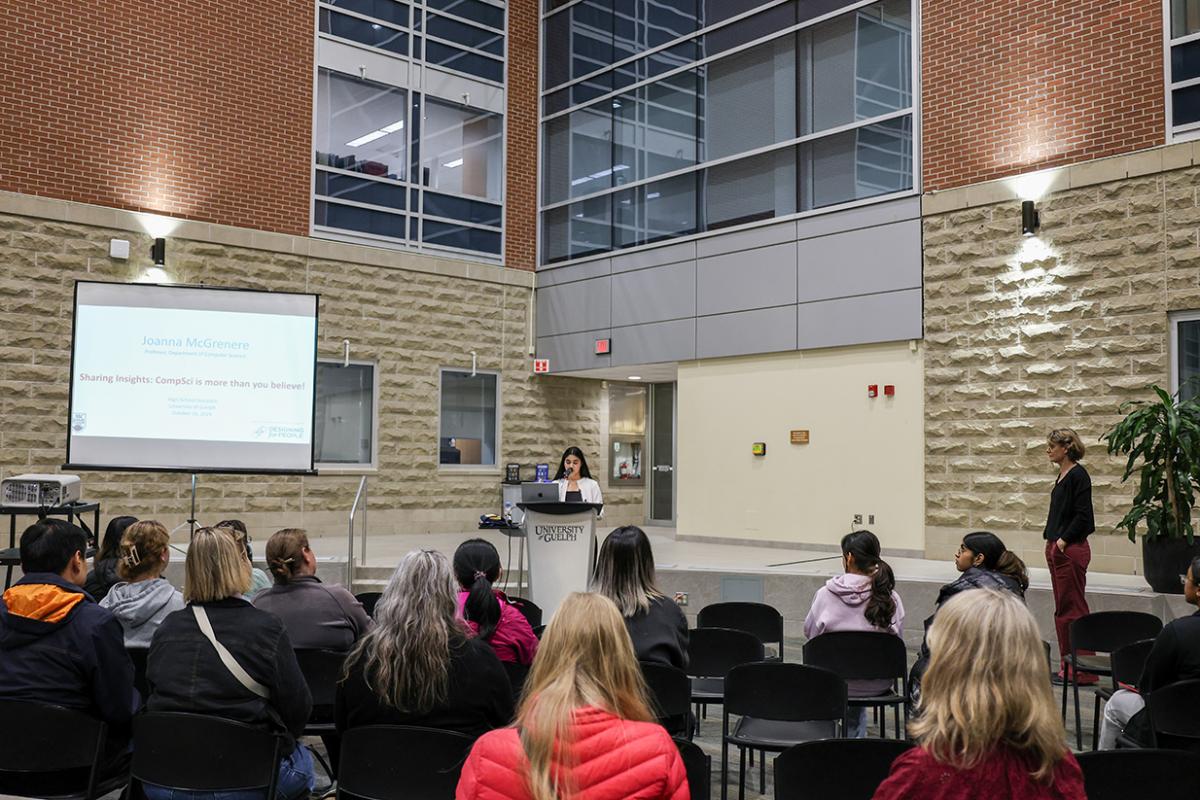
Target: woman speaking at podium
[{"x": 574, "y": 479}]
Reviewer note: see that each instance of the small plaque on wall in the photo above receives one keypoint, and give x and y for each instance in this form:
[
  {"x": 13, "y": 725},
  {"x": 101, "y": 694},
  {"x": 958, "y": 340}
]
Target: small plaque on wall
[{"x": 799, "y": 437}]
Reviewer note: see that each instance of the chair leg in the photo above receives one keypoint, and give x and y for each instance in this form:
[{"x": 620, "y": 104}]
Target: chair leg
[
  {"x": 725, "y": 755},
  {"x": 1075, "y": 691},
  {"x": 1096, "y": 724},
  {"x": 762, "y": 772},
  {"x": 741, "y": 773},
  {"x": 751, "y": 759}
]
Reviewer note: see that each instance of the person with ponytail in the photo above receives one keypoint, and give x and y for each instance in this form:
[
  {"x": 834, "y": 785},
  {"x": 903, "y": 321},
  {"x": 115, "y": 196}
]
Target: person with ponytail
[
  {"x": 487, "y": 611},
  {"x": 862, "y": 599},
  {"x": 144, "y": 597},
  {"x": 584, "y": 729}
]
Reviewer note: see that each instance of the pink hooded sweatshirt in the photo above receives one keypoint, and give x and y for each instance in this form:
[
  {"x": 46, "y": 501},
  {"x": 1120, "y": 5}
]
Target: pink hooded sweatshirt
[
  {"x": 841, "y": 605},
  {"x": 513, "y": 640}
]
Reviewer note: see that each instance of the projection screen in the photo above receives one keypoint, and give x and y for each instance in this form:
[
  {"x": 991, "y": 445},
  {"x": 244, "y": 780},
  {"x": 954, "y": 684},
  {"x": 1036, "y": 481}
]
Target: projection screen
[{"x": 191, "y": 379}]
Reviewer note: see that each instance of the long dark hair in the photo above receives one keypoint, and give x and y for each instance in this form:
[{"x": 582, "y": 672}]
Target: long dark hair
[
  {"x": 625, "y": 571},
  {"x": 476, "y": 568},
  {"x": 584, "y": 472},
  {"x": 864, "y": 546},
  {"x": 997, "y": 557},
  {"x": 111, "y": 545}
]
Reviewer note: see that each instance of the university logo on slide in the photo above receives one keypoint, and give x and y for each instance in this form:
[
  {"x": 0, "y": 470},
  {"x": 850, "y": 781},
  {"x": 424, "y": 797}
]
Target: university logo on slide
[{"x": 78, "y": 421}]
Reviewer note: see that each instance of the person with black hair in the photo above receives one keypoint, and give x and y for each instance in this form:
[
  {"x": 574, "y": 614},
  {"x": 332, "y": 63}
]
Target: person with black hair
[
  {"x": 259, "y": 579},
  {"x": 104, "y": 564},
  {"x": 486, "y": 610},
  {"x": 574, "y": 479},
  {"x": 862, "y": 599}
]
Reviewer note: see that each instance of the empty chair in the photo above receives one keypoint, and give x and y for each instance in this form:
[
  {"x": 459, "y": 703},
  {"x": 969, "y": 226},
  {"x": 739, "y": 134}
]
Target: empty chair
[
  {"x": 202, "y": 753},
  {"x": 1125, "y": 774},
  {"x": 1175, "y": 715},
  {"x": 401, "y": 762},
  {"x": 368, "y": 600},
  {"x": 670, "y": 695},
  {"x": 699, "y": 769},
  {"x": 712, "y": 652},
  {"x": 530, "y": 609},
  {"x": 848, "y": 769},
  {"x": 1127, "y": 665},
  {"x": 51, "y": 751},
  {"x": 780, "y": 705},
  {"x": 760, "y": 619},
  {"x": 863, "y": 655}
]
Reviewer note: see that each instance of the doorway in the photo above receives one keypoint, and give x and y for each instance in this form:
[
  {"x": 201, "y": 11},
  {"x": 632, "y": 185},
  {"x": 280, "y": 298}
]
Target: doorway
[{"x": 661, "y": 501}]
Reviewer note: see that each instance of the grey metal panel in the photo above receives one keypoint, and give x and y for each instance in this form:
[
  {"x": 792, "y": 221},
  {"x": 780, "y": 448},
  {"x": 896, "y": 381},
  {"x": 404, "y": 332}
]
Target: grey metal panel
[
  {"x": 746, "y": 280},
  {"x": 861, "y": 217},
  {"x": 573, "y": 351},
  {"x": 766, "y": 330},
  {"x": 887, "y": 317},
  {"x": 657, "y": 341},
  {"x": 654, "y": 295},
  {"x": 884, "y": 258},
  {"x": 581, "y": 306},
  {"x": 553, "y": 276},
  {"x": 654, "y": 257},
  {"x": 746, "y": 240}
]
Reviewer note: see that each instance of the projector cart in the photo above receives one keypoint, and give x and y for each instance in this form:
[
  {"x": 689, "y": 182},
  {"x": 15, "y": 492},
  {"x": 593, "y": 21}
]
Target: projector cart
[{"x": 11, "y": 557}]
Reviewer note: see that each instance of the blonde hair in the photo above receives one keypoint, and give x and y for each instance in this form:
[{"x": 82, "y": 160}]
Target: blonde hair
[
  {"x": 215, "y": 567},
  {"x": 1070, "y": 440},
  {"x": 284, "y": 553},
  {"x": 140, "y": 553},
  {"x": 987, "y": 686},
  {"x": 585, "y": 658}
]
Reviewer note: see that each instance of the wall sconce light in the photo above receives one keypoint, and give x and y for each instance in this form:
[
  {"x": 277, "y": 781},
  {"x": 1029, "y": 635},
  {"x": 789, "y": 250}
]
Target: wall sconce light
[
  {"x": 158, "y": 252},
  {"x": 1030, "y": 219}
]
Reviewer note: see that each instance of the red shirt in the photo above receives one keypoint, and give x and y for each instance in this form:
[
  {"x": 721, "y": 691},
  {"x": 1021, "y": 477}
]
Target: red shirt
[
  {"x": 1003, "y": 775},
  {"x": 513, "y": 640}
]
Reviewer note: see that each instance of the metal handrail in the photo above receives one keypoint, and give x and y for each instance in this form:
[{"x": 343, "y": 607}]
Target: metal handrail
[{"x": 360, "y": 495}]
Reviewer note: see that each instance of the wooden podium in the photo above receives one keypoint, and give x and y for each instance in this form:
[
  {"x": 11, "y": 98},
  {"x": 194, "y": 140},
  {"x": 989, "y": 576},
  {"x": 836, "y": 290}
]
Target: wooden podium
[{"x": 561, "y": 540}]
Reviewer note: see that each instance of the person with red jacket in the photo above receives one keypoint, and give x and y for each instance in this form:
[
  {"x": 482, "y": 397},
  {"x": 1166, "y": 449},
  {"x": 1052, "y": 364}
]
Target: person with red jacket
[
  {"x": 584, "y": 730},
  {"x": 988, "y": 725}
]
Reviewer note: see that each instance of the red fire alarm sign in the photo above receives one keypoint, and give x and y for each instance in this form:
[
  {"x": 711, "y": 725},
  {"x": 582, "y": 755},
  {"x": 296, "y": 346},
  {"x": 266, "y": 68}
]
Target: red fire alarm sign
[
  {"x": 541, "y": 365},
  {"x": 889, "y": 390},
  {"x": 603, "y": 347},
  {"x": 873, "y": 390}
]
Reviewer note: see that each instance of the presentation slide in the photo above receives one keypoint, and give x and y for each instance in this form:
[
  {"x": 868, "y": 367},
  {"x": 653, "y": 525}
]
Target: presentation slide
[{"x": 193, "y": 379}]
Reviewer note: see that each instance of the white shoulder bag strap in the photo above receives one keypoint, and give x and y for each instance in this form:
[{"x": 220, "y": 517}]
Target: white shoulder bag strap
[{"x": 227, "y": 658}]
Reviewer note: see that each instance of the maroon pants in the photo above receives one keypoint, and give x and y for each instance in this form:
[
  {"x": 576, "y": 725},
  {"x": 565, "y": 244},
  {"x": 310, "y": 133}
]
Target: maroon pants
[{"x": 1068, "y": 577}]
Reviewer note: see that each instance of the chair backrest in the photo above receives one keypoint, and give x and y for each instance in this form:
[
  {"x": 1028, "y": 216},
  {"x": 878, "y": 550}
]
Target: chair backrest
[
  {"x": 203, "y": 753},
  {"x": 44, "y": 738},
  {"x": 398, "y": 762},
  {"x": 856, "y": 655},
  {"x": 322, "y": 669},
  {"x": 712, "y": 652},
  {"x": 670, "y": 695},
  {"x": 368, "y": 600},
  {"x": 1129, "y": 660},
  {"x": 1124, "y": 774},
  {"x": 760, "y": 619},
  {"x": 530, "y": 609},
  {"x": 138, "y": 656},
  {"x": 1175, "y": 715},
  {"x": 782, "y": 691},
  {"x": 699, "y": 769},
  {"x": 1106, "y": 631},
  {"x": 517, "y": 673},
  {"x": 848, "y": 769}
]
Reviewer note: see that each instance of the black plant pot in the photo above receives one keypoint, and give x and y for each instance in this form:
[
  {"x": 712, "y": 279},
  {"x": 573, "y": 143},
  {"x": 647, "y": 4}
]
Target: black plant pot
[{"x": 1166, "y": 562}]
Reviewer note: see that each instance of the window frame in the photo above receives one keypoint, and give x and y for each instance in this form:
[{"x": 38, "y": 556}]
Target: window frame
[
  {"x": 1191, "y": 130},
  {"x": 1173, "y": 320},
  {"x": 469, "y": 469},
  {"x": 373, "y": 466}
]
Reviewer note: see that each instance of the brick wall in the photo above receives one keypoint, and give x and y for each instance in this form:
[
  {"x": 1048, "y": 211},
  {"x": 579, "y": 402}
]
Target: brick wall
[
  {"x": 187, "y": 108},
  {"x": 520, "y": 248},
  {"x": 1010, "y": 87}
]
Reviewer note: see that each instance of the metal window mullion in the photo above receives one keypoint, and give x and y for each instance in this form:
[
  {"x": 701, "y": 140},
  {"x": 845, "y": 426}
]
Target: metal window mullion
[
  {"x": 1191, "y": 37},
  {"x": 360, "y": 204},
  {"x": 1190, "y": 82},
  {"x": 353, "y": 174},
  {"x": 452, "y": 221}
]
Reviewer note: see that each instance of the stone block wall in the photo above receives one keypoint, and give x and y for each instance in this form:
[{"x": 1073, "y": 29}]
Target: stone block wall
[
  {"x": 410, "y": 314},
  {"x": 1023, "y": 335}
]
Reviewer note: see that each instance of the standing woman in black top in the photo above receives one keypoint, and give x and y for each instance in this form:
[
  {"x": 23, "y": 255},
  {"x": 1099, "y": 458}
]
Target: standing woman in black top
[{"x": 1067, "y": 527}]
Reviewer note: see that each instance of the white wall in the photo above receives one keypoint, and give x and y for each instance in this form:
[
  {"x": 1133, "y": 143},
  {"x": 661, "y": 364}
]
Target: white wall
[{"x": 865, "y": 456}]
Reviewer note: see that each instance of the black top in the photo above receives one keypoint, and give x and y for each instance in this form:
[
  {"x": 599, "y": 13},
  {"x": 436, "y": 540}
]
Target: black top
[
  {"x": 1175, "y": 655},
  {"x": 661, "y": 634},
  {"x": 185, "y": 673},
  {"x": 102, "y": 577},
  {"x": 1071, "y": 518},
  {"x": 574, "y": 497},
  {"x": 479, "y": 697}
]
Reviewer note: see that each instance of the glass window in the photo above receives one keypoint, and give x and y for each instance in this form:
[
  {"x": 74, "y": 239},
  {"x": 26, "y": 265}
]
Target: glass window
[
  {"x": 469, "y": 418},
  {"x": 751, "y": 189},
  {"x": 1187, "y": 356},
  {"x": 346, "y": 187},
  {"x": 361, "y": 125},
  {"x": 577, "y": 154},
  {"x": 578, "y": 229},
  {"x": 1185, "y": 105},
  {"x": 462, "y": 150},
  {"x": 460, "y": 33},
  {"x": 655, "y": 211},
  {"x": 364, "y": 31},
  {"x": 471, "y": 63},
  {"x": 1185, "y": 61},
  {"x": 859, "y": 163},
  {"x": 440, "y": 205},
  {"x": 1185, "y": 17},
  {"x": 362, "y": 220},
  {"x": 460, "y": 236},
  {"x": 626, "y": 433},
  {"x": 753, "y": 94},
  {"x": 345, "y": 413},
  {"x": 385, "y": 10},
  {"x": 483, "y": 13}
]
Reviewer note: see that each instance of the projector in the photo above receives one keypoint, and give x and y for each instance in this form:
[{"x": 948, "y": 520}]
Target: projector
[{"x": 40, "y": 491}]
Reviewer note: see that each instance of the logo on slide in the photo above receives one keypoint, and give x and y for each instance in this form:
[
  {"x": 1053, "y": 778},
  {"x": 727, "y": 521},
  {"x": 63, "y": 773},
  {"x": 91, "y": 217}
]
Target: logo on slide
[
  {"x": 78, "y": 421},
  {"x": 274, "y": 433}
]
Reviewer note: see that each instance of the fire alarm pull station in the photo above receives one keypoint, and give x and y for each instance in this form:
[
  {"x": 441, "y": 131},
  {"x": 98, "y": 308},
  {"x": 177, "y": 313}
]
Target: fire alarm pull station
[
  {"x": 873, "y": 390},
  {"x": 889, "y": 390}
]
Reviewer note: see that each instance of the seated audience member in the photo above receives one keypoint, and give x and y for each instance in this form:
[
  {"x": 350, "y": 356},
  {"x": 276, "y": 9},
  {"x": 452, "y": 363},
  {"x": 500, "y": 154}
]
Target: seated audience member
[
  {"x": 419, "y": 665},
  {"x": 185, "y": 672},
  {"x": 259, "y": 579},
  {"x": 989, "y": 726},
  {"x": 584, "y": 729},
  {"x": 486, "y": 610},
  {"x": 104, "y": 564},
  {"x": 1174, "y": 657},
  {"x": 144, "y": 598},
  {"x": 58, "y": 647},
  {"x": 625, "y": 575},
  {"x": 317, "y": 615},
  {"x": 862, "y": 599}
]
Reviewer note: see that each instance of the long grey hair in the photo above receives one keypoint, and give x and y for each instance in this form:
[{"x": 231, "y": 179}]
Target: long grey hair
[{"x": 406, "y": 655}]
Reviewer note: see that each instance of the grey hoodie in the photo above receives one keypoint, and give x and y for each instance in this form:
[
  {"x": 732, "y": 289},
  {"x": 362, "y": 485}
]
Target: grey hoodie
[{"x": 141, "y": 607}]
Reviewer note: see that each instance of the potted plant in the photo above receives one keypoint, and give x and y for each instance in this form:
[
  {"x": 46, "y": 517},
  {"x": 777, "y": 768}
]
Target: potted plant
[{"x": 1164, "y": 435}]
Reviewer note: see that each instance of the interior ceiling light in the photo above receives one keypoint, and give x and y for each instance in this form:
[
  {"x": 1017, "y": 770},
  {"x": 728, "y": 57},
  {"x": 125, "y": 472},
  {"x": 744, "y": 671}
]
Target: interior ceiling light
[
  {"x": 458, "y": 162},
  {"x": 378, "y": 133}
]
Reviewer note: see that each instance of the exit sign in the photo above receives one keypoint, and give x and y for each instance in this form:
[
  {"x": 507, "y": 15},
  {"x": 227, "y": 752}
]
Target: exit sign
[
  {"x": 603, "y": 347},
  {"x": 541, "y": 365}
]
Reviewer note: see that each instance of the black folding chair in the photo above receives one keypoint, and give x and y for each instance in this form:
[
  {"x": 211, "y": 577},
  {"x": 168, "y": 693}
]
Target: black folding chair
[
  {"x": 322, "y": 669},
  {"x": 760, "y": 619},
  {"x": 698, "y": 765},
  {"x": 368, "y": 600},
  {"x": 51, "y": 747},
  {"x": 1125, "y": 774},
  {"x": 138, "y": 655},
  {"x": 712, "y": 652},
  {"x": 1103, "y": 632},
  {"x": 203, "y": 753},
  {"x": 1127, "y": 665},
  {"x": 517, "y": 673},
  {"x": 1175, "y": 716},
  {"x": 865, "y": 655},
  {"x": 530, "y": 609},
  {"x": 848, "y": 769},
  {"x": 780, "y": 705},
  {"x": 401, "y": 762},
  {"x": 670, "y": 693}
]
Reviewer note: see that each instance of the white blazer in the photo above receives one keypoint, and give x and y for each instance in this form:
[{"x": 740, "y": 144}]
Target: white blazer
[{"x": 588, "y": 489}]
